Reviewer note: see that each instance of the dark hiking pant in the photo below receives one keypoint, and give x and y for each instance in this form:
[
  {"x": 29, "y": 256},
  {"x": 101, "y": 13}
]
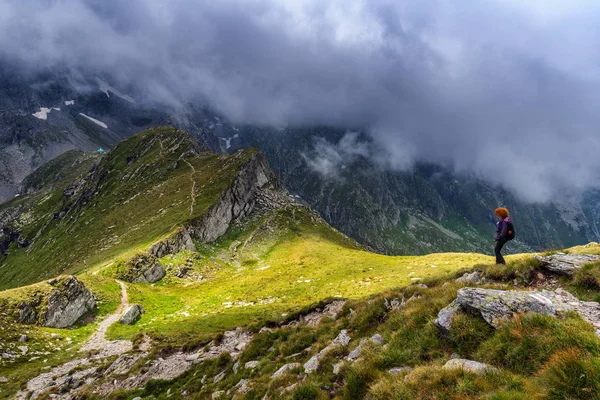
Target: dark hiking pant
[{"x": 499, "y": 245}]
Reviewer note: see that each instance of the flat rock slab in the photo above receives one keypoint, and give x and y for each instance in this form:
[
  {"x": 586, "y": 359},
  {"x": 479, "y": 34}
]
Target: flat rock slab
[
  {"x": 497, "y": 305},
  {"x": 469, "y": 366},
  {"x": 494, "y": 305},
  {"x": 566, "y": 264}
]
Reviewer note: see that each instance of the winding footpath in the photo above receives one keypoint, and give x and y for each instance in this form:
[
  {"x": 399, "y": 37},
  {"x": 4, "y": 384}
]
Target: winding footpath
[
  {"x": 193, "y": 192},
  {"x": 98, "y": 343}
]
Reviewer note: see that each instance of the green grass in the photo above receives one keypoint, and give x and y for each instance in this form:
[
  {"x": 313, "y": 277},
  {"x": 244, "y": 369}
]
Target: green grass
[
  {"x": 266, "y": 270},
  {"x": 139, "y": 193},
  {"x": 299, "y": 261}
]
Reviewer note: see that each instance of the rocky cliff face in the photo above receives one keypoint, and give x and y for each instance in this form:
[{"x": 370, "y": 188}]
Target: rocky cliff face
[
  {"x": 237, "y": 201},
  {"x": 67, "y": 302}
]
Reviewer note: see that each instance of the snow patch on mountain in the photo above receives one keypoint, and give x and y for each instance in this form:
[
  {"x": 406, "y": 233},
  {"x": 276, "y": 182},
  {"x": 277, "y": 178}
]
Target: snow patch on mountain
[
  {"x": 43, "y": 113},
  {"x": 69, "y": 102},
  {"x": 106, "y": 88},
  {"x": 228, "y": 140},
  {"x": 102, "y": 124}
]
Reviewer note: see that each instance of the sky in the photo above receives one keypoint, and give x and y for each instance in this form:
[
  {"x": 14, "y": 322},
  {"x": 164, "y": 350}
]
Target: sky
[{"x": 505, "y": 89}]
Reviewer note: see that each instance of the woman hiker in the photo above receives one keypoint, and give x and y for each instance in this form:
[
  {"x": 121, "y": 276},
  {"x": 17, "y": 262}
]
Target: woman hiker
[{"x": 505, "y": 231}]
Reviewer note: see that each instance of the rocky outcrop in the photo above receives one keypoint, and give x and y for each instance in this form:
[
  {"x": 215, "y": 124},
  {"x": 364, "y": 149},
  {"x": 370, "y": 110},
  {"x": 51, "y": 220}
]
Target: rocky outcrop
[
  {"x": 331, "y": 310},
  {"x": 494, "y": 305},
  {"x": 315, "y": 361},
  {"x": 131, "y": 315},
  {"x": 173, "y": 245},
  {"x": 67, "y": 302},
  {"x": 566, "y": 264},
  {"x": 237, "y": 201},
  {"x": 141, "y": 268},
  {"x": 497, "y": 305}
]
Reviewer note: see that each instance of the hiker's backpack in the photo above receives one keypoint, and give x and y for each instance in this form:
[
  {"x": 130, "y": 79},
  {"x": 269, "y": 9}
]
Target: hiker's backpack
[{"x": 510, "y": 231}]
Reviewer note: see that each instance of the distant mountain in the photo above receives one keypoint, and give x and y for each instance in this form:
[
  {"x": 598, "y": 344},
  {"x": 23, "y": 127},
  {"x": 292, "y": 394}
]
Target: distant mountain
[
  {"x": 45, "y": 115},
  {"x": 427, "y": 209}
]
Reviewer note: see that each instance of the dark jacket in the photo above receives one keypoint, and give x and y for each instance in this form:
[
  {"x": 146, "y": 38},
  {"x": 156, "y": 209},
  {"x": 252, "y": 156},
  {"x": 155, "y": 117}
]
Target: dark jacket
[{"x": 502, "y": 228}]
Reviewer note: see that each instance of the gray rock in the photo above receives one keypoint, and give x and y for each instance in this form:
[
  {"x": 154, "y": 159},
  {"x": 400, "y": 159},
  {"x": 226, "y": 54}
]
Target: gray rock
[
  {"x": 219, "y": 377},
  {"x": 337, "y": 367},
  {"x": 28, "y": 311},
  {"x": 377, "y": 339},
  {"x": 251, "y": 364},
  {"x": 399, "y": 370},
  {"x": 137, "y": 398},
  {"x": 566, "y": 264},
  {"x": 469, "y": 366},
  {"x": 312, "y": 365},
  {"x": 496, "y": 305},
  {"x": 237, "y": 201},
  {"x": 445, "y": 316},
  {"x": 472, "y": 277},
  {"x": 284, "y": 369},
  {"x": 355, "y": 354},
  {"x": 243, "y": 386},
  {"x": 142, "y": 268},
  {"x": 330, "y": 310},
  {"x": 69, "y": 301},
  {"x": 131, "y": 315},
  {"x": 218, "y": 395},
  {"x": 289, "y": 388},
  {"x": 395, "y": 304},
  {"x": 173, "y": 245},
  {"x": 3, "y": 379},
  {"x": 236, "y": 367},
  {"x": 23, "y": 338},
  {"x": 342, "y": 339}
]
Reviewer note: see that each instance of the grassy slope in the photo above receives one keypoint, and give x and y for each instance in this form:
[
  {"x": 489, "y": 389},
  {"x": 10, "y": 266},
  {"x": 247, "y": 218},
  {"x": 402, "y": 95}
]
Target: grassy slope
[
  {"x": 134, "y": 204},
  {"x": 538, "y": 357},
  {"x": 293, "y": 260},
  {"x": 265, "y": 269}
]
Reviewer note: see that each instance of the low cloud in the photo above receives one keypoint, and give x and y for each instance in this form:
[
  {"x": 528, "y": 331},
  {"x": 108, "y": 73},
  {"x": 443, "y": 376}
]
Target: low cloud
[
  {"x": 330, "y": 159},
  {"x": 505, "y": 89}
]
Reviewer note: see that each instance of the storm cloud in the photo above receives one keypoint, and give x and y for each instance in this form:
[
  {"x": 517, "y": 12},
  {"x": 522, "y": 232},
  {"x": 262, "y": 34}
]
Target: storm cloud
[{"x": 507, "y": 90}]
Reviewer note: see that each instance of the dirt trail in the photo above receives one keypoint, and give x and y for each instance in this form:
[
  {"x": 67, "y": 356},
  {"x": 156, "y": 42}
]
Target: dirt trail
[
  {"x": 193, "y": 193},
  {"x": 98, "y": 343},
  {"x": 98, "y": 340}
]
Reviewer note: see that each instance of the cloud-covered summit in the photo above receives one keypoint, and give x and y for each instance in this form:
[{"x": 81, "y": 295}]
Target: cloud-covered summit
[{"x": 505, "y": 89}]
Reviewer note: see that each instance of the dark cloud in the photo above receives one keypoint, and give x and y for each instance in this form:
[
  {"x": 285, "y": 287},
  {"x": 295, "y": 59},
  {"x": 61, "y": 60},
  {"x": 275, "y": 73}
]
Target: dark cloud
[{"x": 506, "y": 89}]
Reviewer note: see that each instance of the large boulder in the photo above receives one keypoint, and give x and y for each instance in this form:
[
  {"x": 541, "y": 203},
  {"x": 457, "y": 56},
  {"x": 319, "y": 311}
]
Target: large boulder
[
  {"x": 496, "y": 305},
  {"x": 566, "y": 264},
  {"x": 69, "y": 301},
  {"x": 141, "y": 268},
  {"x": 131, "y": 315}
]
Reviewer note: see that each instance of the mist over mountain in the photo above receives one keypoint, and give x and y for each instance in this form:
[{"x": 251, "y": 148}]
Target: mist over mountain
[{"x": 504, "y": 90}]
